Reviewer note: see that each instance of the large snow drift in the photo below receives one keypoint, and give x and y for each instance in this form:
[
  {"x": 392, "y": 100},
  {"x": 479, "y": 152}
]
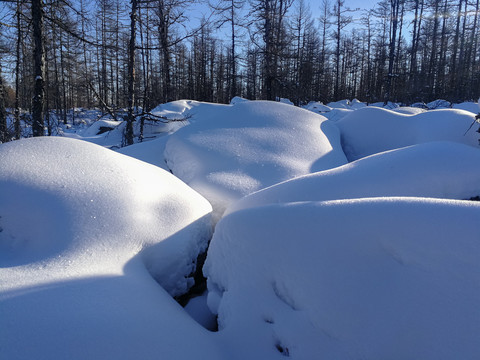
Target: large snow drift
[
  {"x": 372, "y": 130},
  {"x": 437, "y": 169},
  {"x": 380, "y": 278},
  {"x": 242, "y": 148},
  {"x": 84, "y": 231}
]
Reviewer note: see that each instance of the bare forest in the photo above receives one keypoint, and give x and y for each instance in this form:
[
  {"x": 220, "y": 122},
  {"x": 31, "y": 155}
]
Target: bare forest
[{"x": 57, "y": 55}]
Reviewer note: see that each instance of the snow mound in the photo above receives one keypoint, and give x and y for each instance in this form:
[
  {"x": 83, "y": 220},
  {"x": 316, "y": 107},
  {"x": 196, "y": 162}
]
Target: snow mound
[
  {"x": 341, "y": 104},
  {"x": 317, "y": 107},
  {"x": 99, "y": 127},
  {"x": 439, "y": 104},
  {"x": 92, "y": 210},
  {"x": 467, "y": 106},
  {"x": 419, "y": 105},
  {"x": 372, "y": 130},
  {"x": 175, "y": 110},
  {"x": 389, "y": 105},
  {"x": 437, "y": 170},
  {"x": 86, "y": 234},
  {"x": 285, "y": 101},
  {"x": 357, "y": 104},
  {"x": 148, "y": 151},
  {"x": 382, "y": 278},
  {"x": 237, "y": 99},
  {"x": 337, "y": 114},
  {"x": 408, "y": 110},
  {"x": 242, "y": 148}
]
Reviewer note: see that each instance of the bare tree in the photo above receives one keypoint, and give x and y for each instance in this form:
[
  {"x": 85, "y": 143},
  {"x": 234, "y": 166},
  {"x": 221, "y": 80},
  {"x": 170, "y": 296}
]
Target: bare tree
[
  {"x": 269, "y": 17},
  {"x": 169, "y": 14},
  {"x": 39, "y": 69},
  {"x": 341, "y": 21},
  {"x": 325, "y": 23},
  {"x": 131, "y": 73},
  {"x": 228, "y": 12},
  {"x": 4, "y": 137},
  {"x": 18, "y": 57},
  {"x": 394, "y": 19}
]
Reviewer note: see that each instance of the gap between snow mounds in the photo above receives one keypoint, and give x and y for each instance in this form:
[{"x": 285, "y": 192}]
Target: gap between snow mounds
[
  {"x": 436, "y": 170},
  {"x": 190, "y": 257},
  {"x": 193, "y": 298}
]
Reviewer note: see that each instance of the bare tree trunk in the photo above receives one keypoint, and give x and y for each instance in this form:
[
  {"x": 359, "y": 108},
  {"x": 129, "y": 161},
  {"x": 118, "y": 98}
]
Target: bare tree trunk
[
  {"x": 470, "y": 62},
  {"x": 39, "y": 69},
  {"x": 268, "y": 78},
  {"x": 337, "y": 51},
  {"x": 3, "y": 114},
  {"x": 440, "y": 88},
  {"x": 18, "y": 132},
  {"x": 85, "y": 58},
  {"x": 417, "y": 24},
  {"x": 233, "y": 66},
  {"x": 394, "y": 9},
  {"x": 165, "y": 52},
  {"x": 453, "y": 70},
  {"x": 64, "y": 84},
  {"x": 432, "y": 73},
  {"x": 131, "y": 74}
]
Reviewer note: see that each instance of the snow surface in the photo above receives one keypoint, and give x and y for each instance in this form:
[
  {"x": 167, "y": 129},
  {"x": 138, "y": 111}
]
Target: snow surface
[
  {"x": 436, "y": 170},
  {"x": 372, "y": 130},
  {"x": 439, "y": 104},
  {"x": 239, "y": 149},
  {"x": 408, "y": 110},
  {"x": 148, "y": 151},
  {"x": 342, "y": 104},
  {"x": 380, "y": 278},
  {"x": 467, "y": 106},
  {"x": 86, "y": 234},
  {"x": 317, "y": 107},
  {"x": 314, "y": 258},
  {"x": 82, "y": 202}
]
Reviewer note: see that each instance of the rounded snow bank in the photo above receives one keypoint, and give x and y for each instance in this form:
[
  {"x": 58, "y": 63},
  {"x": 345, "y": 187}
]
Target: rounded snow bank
[
  {"x": 242, "y": 148},
  {"x": 372, "y": 130},
  {"x": 378, "y": 278},
  {"x": 437, "y": 169},
  {"x": 80, "y": 226},
  {"x": 71, "y": 209},
  {"x": 467, "y": 106}
]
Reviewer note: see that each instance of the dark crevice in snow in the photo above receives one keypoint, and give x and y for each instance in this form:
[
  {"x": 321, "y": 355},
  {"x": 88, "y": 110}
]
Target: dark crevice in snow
[
  {"x": 196, "y": 291},
  {"x": 475, "y": 198},
  {"x": 104, "y": 129},
  {"x": 200, "y": 284},
  {"x": 195, "y": 300},
  {"x": 282, "y": 349},
  {"x": 198, "y": 294}
]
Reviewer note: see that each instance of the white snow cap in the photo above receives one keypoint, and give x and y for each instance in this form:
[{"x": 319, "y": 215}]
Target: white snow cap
[
  {"x": 84, "y": 233},
  {"x": 380, "y": 278},
  {"x": 242, "y": 148},
  {"x": 437, "y": 169},
  {"x": 372, "y": 130}
]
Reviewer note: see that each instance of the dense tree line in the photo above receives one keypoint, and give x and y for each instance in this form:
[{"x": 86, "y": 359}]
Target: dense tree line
[{"x": 134, "y": 54}]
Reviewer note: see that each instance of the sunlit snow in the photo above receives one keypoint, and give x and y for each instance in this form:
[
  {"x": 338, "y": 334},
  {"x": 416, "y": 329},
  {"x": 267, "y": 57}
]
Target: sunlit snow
[{"x": 338, "y": 231}]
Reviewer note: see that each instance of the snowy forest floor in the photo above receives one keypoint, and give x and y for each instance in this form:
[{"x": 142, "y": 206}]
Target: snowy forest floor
[{"x": 335, "y": 231}]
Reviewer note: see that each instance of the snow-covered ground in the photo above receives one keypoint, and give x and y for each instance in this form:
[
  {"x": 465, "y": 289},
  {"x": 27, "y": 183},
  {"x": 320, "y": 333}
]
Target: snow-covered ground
[
  {"x": 394, "y": 130},
  {"x": 312, "y": 256},
  {"x": 239, "y": 149}
]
